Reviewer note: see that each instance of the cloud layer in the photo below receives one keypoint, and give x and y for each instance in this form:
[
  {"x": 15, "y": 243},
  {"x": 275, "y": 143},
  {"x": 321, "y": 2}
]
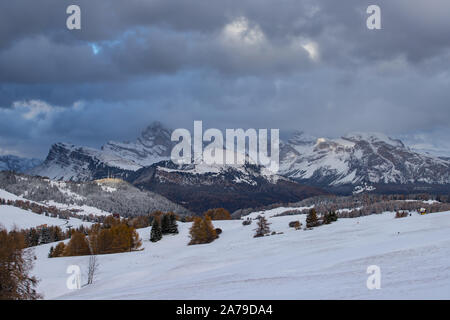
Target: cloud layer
[{"x": 309, "y": 65}]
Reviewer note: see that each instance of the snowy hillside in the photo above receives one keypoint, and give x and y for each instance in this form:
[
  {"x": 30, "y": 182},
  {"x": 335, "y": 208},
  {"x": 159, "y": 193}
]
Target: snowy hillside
[
  {"x": 328, "y": 262},
  {"x": 98, "y": 197},
  {"x": 11, "y": 216}
]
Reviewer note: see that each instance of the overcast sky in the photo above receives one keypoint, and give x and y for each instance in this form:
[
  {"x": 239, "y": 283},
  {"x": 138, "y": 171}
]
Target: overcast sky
[{"x": 291, "y": 64}]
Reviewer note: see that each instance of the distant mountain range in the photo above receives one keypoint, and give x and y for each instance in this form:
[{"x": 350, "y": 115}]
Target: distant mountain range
[
  {"x": 362, "y": 159},
  {"x": 17, "y": 164},
  {"x": 356, "y": 162}
]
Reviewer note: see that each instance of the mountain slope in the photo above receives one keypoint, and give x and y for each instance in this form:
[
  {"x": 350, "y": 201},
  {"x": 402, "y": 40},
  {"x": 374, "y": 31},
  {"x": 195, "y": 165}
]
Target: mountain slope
[
  {"x": 111, "y": 195},
  {"x": 115, "y": 159},
  {"x": 365, "y": 161},
  {"x": 359, "y": 158},
  {"x": 201, "y": 187}
]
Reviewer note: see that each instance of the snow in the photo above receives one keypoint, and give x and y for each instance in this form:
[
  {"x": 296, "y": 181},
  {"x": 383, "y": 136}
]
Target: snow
[
  {"x": 9, "y": 196},
  {"x": 11, "y": 217},
  {"x": 83, "y": 210},
  {"x": 328, "y": 262}
]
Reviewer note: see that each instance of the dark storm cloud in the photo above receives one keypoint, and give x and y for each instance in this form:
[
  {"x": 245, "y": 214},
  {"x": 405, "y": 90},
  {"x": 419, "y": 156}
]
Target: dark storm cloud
[{"x": 292, "y": 64}]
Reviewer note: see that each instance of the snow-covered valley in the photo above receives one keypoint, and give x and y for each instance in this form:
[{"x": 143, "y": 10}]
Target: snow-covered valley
[{"x": 327, "y": 262}]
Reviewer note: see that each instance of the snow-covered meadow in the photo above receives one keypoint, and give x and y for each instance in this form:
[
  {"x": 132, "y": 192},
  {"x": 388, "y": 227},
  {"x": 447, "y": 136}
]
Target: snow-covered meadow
[{"x": 328, "y": 262}]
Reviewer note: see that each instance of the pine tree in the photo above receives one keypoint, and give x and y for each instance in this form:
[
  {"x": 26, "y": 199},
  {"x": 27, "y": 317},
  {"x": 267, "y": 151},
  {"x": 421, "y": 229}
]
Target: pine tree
[
  {"x": 156, "y": 233},
  {"x": 263, "y": 227},
  {"x": 173, "y": 226},
  {"x": 330, "y": 217},
  {"x": 311, "y": 219},
  {"x": 44, "y": 235},
  {"x": 50, "y": 254},
  {"x": 165, "y": 224}
]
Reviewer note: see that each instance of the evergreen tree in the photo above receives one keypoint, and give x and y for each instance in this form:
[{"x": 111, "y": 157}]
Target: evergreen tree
[
  {"x": 173, "y": 226},
  {"x": 330, "y": 217},
  {"x": 44, "y": 235},
  {"x": 165, "y": 224},
  {"x": 311, "y": 219},
  {"x": 263, "y": 227},
  {"x": 50, "y": 254},
  {"x": 156, "y": 233}
]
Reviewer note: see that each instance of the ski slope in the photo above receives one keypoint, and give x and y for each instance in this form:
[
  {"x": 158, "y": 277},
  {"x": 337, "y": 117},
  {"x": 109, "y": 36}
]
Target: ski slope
[{"x": 328, "y": 262}]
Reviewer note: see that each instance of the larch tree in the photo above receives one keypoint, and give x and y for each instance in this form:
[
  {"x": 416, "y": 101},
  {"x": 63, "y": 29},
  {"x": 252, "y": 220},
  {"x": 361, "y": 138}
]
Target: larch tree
[
  {"x": 311, "y": 219},
  {"x": 15, "y": 266},
  {"x": 263, "y": 227}
]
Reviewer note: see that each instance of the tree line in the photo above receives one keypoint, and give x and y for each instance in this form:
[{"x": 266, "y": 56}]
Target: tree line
[{"x": 114, "y": 235}]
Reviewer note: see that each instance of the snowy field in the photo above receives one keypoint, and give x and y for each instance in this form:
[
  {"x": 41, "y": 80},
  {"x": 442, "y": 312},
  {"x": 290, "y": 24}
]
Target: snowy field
[
  {"x": 11, "y": 217},
  {"x": 328, "y": 262}
]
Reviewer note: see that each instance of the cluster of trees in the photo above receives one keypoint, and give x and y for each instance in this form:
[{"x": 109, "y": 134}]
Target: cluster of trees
[
  {"x": 313, "y": 220},
  {"x": 47, "y": 234},
  {"x": 367, "y": 204},
  {"x": 214, "y": 214},
  {"x": 163, "y": 223},
  {"x": 218, "y": 214},
  {"x": 15, "y": 266},
  {"x": 202, "y": 231},
  {"x": 113, "y": 236},
  {"x": 43, "y": 234}
]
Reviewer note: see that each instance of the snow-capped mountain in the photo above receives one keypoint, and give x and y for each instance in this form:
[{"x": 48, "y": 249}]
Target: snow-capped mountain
[
  {"x": 152, "y": 146},
  {"x": 199, "y": 187},
  {"x": 17, "y": 164},
  {"x": 69, "y": 162},
  {"x": 359, "y": 158},
  {"x": 115, "y": 159}
]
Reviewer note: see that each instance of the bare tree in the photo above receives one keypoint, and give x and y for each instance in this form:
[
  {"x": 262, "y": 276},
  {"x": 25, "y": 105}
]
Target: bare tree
[{"x": 93, "y": 268}]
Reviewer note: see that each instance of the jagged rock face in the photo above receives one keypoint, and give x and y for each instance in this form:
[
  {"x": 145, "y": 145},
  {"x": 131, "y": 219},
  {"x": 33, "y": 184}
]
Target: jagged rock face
[
  {"x": 71, "y": 163},
  {"x": 357, "y": 159},
  {"x": 152, "y": 146},
  {"x": 360, "y": 158},
  {"x": 200, "y": 187},
  {"x": 115, "y": 159},
  {"x": 17, "y": 164}
]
